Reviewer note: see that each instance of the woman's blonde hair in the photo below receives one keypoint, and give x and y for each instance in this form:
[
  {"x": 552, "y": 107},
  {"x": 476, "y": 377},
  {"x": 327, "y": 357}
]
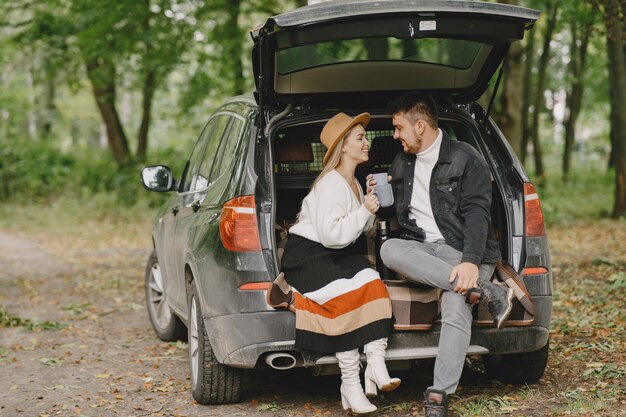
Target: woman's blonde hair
[{"x": 333, "y": 161}]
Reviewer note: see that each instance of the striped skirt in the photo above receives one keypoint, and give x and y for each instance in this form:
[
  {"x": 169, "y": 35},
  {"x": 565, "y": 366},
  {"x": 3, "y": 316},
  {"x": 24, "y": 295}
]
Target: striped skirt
[{"x": 341, "y": 303}]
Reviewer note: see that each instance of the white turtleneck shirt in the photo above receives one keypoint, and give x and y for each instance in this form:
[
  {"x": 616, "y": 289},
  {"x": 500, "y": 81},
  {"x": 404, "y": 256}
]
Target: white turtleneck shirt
[{"x": 420, "y": 208}]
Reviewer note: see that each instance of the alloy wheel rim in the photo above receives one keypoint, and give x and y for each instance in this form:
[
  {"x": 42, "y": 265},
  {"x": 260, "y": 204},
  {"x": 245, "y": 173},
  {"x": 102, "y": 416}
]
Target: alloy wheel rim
[
  {"x": 193, "y": 342},
  {"x": 157, "y": 301}
]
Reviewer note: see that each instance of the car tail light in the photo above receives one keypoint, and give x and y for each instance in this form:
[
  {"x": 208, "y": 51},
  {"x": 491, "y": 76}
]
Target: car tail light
[
  {"x": 535, "y": 270},
  {"x": 238, "y": 226},
  {"x": 534, "y": 215},
  {"x": 255, "y": 286}
]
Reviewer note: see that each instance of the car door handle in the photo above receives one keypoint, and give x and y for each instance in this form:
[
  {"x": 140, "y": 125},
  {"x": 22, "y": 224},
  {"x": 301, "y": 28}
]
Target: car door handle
[
  {"x": 175, "y": 210},
  {"x": 195, "y": 206}
]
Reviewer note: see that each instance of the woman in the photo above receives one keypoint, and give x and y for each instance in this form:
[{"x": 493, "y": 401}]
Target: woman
[{"x": 339, "y": 301}]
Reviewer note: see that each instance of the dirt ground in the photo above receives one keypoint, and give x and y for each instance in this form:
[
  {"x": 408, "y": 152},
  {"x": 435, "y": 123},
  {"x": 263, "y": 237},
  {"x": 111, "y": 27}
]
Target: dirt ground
[{"x": 75, "y": 339}]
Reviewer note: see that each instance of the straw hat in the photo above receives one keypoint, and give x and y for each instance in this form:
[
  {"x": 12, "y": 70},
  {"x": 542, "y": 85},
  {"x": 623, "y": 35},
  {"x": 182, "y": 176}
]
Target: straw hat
[{"x": 337, "y": 127}]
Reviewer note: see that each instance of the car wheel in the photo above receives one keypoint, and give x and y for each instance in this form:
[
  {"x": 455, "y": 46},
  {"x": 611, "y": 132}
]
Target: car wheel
[
  {"x": 211, "y": 382},
  {"x": 165, "y": 323},
  {"x": 517, "y": 368}
]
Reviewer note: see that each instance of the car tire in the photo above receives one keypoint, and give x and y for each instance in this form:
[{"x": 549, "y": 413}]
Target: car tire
[
  {"x": 165, "y": 323},
  {"x": 211, "y": 381},
  {"x": 517, "y": 368}
]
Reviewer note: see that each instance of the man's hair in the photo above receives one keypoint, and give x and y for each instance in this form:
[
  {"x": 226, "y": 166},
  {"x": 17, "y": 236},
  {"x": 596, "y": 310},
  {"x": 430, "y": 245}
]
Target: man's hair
[{"x": 416, "y": 105}]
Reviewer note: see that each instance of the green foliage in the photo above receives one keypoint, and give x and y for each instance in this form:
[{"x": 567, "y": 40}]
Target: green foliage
[
  {"x": 618, "y": 281},
  {"x": 587, "y": 195},
  {"x": 11, "y": 320},
  {"x": 41, "y": 172},
  {"x": 487, "y": 406}
]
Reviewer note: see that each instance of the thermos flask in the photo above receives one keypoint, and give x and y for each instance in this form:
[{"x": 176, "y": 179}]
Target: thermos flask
[{"x": 382, "y": 234}]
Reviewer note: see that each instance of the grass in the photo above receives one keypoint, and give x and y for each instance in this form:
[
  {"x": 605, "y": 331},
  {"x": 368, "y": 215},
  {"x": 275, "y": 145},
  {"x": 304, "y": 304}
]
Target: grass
[
  {"x": 488, "y": 405},
  {"x": 73, "y": 215},
  {"x": 478, "y": 407},
  {"x": 581, "y": 403},
  {"x": 587, "y": 195},
  {"x": 10, "y": 320}
]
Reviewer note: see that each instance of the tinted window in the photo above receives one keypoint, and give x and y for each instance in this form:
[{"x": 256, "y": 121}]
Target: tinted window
[
  {"x": 191, "y": 171},
  {"x": 455, "y": 53},
  {"x": 219, "y": 124},
  {"x": 226, "y": 158}
]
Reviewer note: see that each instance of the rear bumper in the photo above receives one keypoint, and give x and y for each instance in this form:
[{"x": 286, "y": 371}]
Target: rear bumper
[
  {"x": 239, "y": 340},
  {"x": 491, "y": 340}
]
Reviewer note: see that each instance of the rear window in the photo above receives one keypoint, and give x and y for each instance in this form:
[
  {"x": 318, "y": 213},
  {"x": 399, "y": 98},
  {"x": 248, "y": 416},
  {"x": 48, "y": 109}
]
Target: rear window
[{"x": 456, "y": 53}]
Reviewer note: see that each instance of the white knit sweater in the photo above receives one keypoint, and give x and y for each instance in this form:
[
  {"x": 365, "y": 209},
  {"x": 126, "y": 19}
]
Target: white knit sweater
[{"x": 332, "y": 215}]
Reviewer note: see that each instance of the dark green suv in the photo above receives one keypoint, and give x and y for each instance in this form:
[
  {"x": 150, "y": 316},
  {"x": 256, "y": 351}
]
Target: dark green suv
[{"x": 217, "y": 241}]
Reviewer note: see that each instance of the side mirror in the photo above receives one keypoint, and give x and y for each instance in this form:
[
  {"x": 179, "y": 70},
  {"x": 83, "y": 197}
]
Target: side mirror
[{"x": 157, "y": 178}]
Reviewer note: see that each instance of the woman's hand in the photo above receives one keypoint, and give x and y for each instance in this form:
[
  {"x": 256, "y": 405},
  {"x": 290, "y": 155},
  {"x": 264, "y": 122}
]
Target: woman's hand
[{"x": 371, "y": 202}]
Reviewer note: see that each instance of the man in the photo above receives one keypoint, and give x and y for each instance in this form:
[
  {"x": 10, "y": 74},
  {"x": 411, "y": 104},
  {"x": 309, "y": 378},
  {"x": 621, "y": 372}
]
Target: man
[{"x": 442, "y": 191}]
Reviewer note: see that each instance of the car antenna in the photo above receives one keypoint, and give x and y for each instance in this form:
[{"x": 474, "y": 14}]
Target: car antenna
[{"x": 495, "y": 88}]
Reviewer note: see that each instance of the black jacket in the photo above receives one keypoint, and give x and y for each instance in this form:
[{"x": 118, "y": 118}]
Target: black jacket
[{"x": 460, "y": 196}]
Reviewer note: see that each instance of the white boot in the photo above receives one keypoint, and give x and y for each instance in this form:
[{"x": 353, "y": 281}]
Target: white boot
[
  {"x": 376, "y": 372},
  {"x": 352, "y": 397}
]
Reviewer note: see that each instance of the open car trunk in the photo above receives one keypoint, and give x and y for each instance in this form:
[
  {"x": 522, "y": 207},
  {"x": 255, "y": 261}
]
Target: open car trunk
[
  {"x": 346, "y": 53},
  {"x": 297, "y": 160}
]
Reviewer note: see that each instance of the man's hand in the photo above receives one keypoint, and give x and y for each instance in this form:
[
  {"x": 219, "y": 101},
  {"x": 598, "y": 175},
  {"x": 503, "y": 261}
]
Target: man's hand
[{"x": 467, "y": 274}]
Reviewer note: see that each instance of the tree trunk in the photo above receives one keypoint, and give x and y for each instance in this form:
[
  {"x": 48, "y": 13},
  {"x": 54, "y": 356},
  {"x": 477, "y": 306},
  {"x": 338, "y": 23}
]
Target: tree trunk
[
  {"x": 539, "y": 99},
  {"x": 376, "y": 48},
  {"x": 234, "y": 46},
  {"x": 510, "y": 114},
  {"x": 149, "y": 85},
  {"x": 49, "y": 93},
  {"x": 148, "y": 93},
  {"x": 511, "y": 101},
  {"x": 49, "y": 107},
  {"x": 611, "y": 163},
  {"x": 5, "y": 76},
  {"x": 31, "y": 113},
  {"x": 101, "y": 73},
  {"x": 612, "y": 156},
  {"x": 528, "y": 71},
  {"x": 409, "y": 48},
  {"x": 575, "y": 96},
  {"x": 613, "y": 10}
]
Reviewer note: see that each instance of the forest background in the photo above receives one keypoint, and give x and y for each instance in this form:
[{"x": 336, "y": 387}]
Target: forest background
[{"x": 92, "y": 91}]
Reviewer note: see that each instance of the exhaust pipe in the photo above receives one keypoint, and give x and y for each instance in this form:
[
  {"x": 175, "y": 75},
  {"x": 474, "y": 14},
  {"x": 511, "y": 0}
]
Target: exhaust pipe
[{"x": 281, "y": 361}]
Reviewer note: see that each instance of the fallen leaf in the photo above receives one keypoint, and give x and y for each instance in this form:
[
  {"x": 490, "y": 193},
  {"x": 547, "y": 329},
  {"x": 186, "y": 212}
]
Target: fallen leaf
[
  {"x": 594, "y": 365},
  {"x": 48, "y": 361},
  {"x": 508, "y": 408}
]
